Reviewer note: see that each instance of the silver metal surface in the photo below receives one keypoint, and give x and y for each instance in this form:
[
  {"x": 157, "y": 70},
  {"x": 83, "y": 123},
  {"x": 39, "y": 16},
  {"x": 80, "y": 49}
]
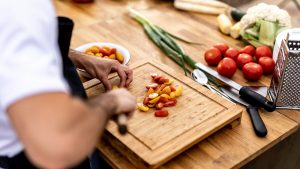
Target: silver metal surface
[
  {"x": 285, "y": 84},
  {"x": 233, "y": 94},
  {"x": 215, "y": 74},
  {"x": 202, "y": 79}
]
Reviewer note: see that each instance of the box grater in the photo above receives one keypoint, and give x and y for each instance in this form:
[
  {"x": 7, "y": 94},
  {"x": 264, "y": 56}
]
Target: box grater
[{"x": 284, "y": 89}]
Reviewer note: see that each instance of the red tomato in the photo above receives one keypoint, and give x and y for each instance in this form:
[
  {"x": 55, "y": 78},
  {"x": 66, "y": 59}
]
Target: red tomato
[
  {"x": 222, "y": 47},
  {"x": 232, "y": 53},
  {"x": 146, "y": 100},
  {"x": 162, "y": 80},
  {"x": 267, "y": 65},
  {"x": 173, "y": 89},
  {"x": 212, "y": 56},
  {"x": 161, "y": 113},
  {"x": 104, "y": 52},
  {"x": 163, "y": 100},
  {"x": 153, "y": 75},
  {"x": 242, "y": 59},
  {"x": 170, "y": 102},
  {"x": 152, "y": 85},
  {"x": 159, "y": 105},
  {"x": 249, "y": 49},
  {"x": 263, "y": 51},
  {"x": 156, "y": 78},
  {"x": 112, "y": 51},
  {"x": 226, "y": 67},
  {"x": 252, "y": 71}
]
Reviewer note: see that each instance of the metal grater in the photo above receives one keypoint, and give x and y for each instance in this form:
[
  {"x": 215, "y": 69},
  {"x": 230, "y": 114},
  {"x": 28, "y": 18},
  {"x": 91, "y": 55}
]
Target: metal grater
[{"x": 284, "y": 90}]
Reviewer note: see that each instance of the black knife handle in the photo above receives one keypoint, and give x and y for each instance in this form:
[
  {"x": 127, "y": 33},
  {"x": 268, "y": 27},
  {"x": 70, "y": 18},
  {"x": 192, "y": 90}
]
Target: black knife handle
[
  {"x": 258, "y": 125},
  {"x": 256, "y": 99}
]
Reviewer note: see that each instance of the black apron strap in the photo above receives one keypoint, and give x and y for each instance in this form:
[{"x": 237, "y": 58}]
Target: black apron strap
[{"x": 65, "y": 27}]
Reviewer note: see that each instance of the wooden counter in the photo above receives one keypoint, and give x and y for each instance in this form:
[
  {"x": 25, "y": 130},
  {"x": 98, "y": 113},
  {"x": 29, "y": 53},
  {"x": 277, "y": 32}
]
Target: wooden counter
[{"x": 108, "y": 21}]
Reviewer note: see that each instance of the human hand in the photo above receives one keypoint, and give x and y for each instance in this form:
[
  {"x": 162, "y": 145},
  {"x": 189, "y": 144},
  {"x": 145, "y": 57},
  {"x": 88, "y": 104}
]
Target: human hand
[
  {"x": 125, "y": 101},
  {"x": 100, "y": 68}
]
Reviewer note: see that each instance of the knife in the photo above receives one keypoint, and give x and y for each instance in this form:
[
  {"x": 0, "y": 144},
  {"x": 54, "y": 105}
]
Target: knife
[
  {"x": 245, "y": 93},
  {"x": 257, "y": 123}
]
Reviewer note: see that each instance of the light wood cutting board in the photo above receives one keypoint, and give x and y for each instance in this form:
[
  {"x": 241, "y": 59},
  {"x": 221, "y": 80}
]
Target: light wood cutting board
[{"x": 151, "y": 141}]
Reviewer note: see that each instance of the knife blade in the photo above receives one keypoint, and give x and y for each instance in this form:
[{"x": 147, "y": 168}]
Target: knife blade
[
  {"x": 245, "y": 93},
  {"x": 257, "y": 123}
]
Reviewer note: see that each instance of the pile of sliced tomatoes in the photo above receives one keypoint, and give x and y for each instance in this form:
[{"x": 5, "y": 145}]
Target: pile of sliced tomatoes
[{"x": 161, "y": 93}]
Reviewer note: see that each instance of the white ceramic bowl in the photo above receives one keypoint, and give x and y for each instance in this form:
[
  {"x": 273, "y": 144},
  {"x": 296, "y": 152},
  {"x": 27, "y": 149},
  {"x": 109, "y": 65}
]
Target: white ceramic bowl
[{"x": 119, "y": 48}]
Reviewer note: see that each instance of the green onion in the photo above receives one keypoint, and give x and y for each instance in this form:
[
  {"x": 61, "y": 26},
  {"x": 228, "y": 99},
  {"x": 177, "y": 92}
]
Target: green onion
[{"x": 165, "y": 41}]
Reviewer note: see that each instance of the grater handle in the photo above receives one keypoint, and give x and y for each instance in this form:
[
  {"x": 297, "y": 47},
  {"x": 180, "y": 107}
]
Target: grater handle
[
  {"x": 256, "y": 99},
  {"x": 258, "y": 124}
]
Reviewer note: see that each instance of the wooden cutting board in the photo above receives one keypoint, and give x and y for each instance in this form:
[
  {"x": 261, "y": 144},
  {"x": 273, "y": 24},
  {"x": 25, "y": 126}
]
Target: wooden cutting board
[{"x": 151, "y": 141}]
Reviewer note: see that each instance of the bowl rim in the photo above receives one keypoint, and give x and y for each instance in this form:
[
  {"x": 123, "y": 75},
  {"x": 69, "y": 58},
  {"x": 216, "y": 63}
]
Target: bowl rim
[{"x": 119, "y": 48}]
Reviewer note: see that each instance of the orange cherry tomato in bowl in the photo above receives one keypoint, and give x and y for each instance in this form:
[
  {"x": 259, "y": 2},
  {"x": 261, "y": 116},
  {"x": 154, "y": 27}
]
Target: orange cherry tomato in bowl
[
  {"x": 267, "y": 65},
  {"x": 252, "y": 71},
  {"x": 226, "y": 67},
  {"x": 212, "y": 56}
]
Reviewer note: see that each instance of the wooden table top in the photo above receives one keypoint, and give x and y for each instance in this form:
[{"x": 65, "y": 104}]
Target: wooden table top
[{"x": 108, "y": 21}]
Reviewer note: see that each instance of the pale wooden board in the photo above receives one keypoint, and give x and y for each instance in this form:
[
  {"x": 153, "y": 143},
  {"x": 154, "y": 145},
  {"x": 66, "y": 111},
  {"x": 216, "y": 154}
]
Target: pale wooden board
[
  {"x": 197, "y": 114},
  {"x": 108, "y": 21}
]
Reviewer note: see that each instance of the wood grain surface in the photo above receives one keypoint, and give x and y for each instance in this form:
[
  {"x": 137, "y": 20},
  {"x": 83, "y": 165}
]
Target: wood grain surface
[
  {"x": 153, "y": 141},
  {"x": 108, "y": 21}
]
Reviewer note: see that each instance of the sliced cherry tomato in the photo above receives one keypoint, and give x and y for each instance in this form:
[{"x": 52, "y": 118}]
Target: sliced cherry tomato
[
  {"x": 153, "y": 75},
  {"x": 170, "y": 102},
  {"x": 162, "y": 80},
  {"x": 166, "y": 90},
  {"x": 156, "y": 78},
  {"x": 159, "y": 105},
  {"x": 152, "y": 85},
  {"x": 173, "y": 89},
  {"x": 146, "y": 100},
  {"x": 163, "y": 100},
  {"x": 161, "y": 113},
  {"x": 160, "y": 88}
]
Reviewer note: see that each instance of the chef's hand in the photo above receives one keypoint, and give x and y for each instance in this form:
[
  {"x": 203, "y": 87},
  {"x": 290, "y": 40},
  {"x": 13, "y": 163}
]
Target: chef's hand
[
  {"x": 100, "y": 68},
  {"x": 115, "y": 102},
  {"x": 125, "y": 101}
]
